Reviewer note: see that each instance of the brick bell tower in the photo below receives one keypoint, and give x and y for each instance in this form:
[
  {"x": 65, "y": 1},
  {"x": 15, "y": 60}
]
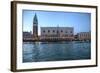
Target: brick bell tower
[{"x": 35, "y": 26}]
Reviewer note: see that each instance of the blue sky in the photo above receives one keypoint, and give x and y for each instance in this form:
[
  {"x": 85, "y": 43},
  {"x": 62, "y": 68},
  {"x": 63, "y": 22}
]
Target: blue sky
[{"x": 80, "y": 21}]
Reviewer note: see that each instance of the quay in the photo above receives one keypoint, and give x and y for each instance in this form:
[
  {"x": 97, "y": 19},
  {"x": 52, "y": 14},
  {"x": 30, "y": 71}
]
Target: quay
[{"x": 45, "y": 39}]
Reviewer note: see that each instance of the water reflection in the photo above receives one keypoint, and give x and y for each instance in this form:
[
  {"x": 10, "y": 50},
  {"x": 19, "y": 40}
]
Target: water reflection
[{"x": 56, "y": 51}]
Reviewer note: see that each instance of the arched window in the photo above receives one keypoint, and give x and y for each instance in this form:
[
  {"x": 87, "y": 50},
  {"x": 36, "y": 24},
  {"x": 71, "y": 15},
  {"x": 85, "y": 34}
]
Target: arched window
[
  {"x": 61, "y": 30},
  {"x": 53, "y": 30},
  {"x": 44, "y": 31},
  {"x": 57, "y": 31},
  {"x": 70, "y": 31},
  {"x": 48, "y": 31}
]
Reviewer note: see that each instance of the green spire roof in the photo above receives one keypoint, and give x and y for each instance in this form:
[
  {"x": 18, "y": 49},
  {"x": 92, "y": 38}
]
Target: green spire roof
[{"x": 35, "y": 20}]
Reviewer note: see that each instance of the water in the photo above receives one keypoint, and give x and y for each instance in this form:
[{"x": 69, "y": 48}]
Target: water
[{"x": 56, "y": 51}]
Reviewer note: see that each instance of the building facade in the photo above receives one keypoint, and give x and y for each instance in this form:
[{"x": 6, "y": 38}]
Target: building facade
[
  {"x": 66, "y": 33},
  {"x": 84, "y": 36},
  {"x": 35, "y": 26},
  {"x": 27, "y": 35}
]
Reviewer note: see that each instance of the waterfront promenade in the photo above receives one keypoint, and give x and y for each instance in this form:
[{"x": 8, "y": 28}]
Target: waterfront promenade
[{"x": 50, "y": 39}]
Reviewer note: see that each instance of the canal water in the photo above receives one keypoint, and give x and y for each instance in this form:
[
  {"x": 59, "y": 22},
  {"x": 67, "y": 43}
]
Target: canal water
[{"x": 56, "y": 51}]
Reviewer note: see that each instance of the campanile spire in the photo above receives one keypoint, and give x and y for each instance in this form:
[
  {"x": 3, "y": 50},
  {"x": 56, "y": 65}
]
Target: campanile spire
[{"x": 35, "y": 26}]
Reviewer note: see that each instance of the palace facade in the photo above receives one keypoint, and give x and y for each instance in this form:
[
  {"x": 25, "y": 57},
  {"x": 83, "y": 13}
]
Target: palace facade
[{"x": 57, "y": 33}]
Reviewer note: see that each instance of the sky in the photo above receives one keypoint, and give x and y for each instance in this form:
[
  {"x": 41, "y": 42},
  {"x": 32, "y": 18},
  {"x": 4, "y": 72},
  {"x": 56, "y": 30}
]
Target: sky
[{"x": 81, "y": 22}]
